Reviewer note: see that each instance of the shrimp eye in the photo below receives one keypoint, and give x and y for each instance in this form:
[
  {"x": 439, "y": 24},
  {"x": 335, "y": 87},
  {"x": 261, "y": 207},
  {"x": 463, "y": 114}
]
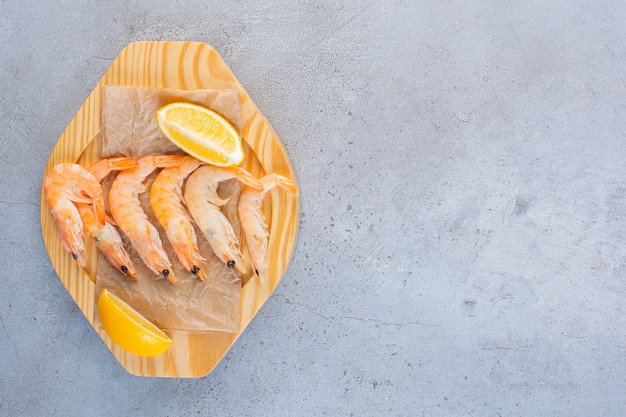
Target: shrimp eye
[
  {"x": 256, "y": 271},
  {"x": 96, "y": 239},
  {"x": 231, "y": 264},
  {"x": 124, "y": 269},
  {"x": 74, "y": 256},
  {"x": 166, "y": 273},
  {"x": 195, "y": 270}
]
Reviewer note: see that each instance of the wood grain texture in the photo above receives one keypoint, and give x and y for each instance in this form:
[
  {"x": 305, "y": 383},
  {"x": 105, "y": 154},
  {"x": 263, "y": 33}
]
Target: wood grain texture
[{"x": 181, "y": 65}]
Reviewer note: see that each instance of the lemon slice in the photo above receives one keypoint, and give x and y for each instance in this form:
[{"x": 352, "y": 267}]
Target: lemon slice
[
  {"x": 201, "y": 133},
  {"x": 129, "y": 329}
]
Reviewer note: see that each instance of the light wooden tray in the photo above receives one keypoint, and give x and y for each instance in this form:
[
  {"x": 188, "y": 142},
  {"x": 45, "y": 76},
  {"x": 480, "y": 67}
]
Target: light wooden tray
[{"x": 189, "y": 66}]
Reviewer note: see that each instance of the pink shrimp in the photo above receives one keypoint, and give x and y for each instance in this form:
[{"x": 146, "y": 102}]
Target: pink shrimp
[
  {"x": 204, "y": 204},
  {"x": 167, "y": 206},
  {"x": 107, "y": 237},
  {"x": 130, "y": 217},
  {"x": 65, "y": 185},
  {"x": 252, "y": 223}
]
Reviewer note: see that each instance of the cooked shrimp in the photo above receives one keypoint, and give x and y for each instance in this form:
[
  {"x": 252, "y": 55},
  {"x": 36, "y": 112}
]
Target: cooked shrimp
[
  {"x": 167, "y": 206},
  {"x": 130, "y": 217},
  {"x": 252, "y": 223},
  {"x": 203, "y": 203},
  {"x": 65, "y": 185},
  {"x": 107, "y": 237}
]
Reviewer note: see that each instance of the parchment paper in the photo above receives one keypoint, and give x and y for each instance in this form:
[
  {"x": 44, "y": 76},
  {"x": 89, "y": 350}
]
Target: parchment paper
[
  {"x": 129, "y": 128},
  {"x": 128, "y": 116}
]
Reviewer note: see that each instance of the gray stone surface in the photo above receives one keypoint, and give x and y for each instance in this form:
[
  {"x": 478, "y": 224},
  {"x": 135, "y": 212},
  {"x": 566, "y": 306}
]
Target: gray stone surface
[{"x": 463, "y": 177}]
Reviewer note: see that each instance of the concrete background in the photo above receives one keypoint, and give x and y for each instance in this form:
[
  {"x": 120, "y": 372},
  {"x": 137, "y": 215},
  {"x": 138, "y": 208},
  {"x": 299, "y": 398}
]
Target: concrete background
[{"x": 463, "y": 179}]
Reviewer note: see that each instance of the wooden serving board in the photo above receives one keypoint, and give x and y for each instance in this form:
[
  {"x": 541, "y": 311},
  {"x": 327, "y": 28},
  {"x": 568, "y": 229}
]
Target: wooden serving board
[{"x": 187, "y": 66}]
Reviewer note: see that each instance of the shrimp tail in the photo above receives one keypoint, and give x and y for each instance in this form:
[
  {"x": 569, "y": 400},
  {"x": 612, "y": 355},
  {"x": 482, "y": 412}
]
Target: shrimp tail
[
  {"x": 248, "y": 179},
  {"x": 103, "y": 167},
  {"x": 189, "y": 164},
  {"x": 96, "y": 201},
  {"x": 167, "y": 161},
  {"x": 288, "y": 185},
  {"x": 276, "y": 180},
  {"x": 91, "y": 194}
]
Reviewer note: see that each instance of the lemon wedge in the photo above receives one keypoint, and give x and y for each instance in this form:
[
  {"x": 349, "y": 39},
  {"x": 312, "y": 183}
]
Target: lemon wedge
[
  {"x": 201, "y": 133},
  {"x": 129, "y": 329}
]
